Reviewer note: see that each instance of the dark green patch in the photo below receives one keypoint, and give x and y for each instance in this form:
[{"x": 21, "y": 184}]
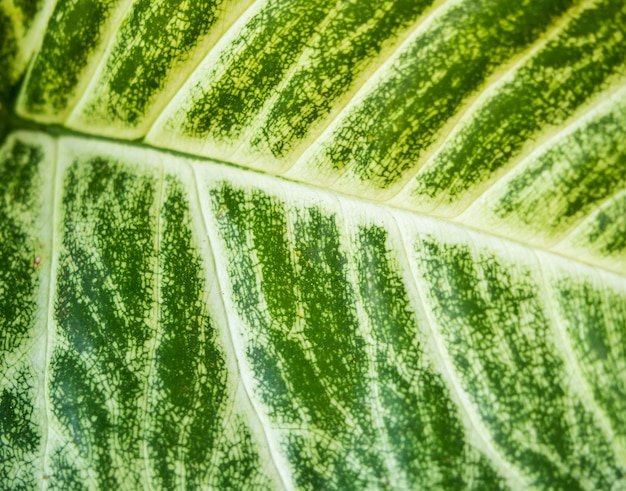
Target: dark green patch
[
  {"x": 545, "y": 92},
  {"x": 310, "y": 363},
  {"x": 8, "y": 53},
  {"x": 606, "y": 233},
  {"x": 30, "y": 9},
  {"x": 19, "y": 246},
  {"x": 189, "y": 379},
  {"x": 384, "y": 136},
  {"x": 73, "y": 34},
  {"x": 582, "y": 170},
  {"x": 491, "y": 316},
  {"x": 595, "y": 319},
  {"x": 78, "y": 398},
  {"x": 3, "y": 116},
  {"x": 239, "y": 462},
  {"x": 278, "y": 32},
  {"x": 20, "y": 435},
  {"x": 105, "y": 294},
  {"x": 310, "y": 93},
  {"x": 423, "y": 427},
  {"x": 154, "y": 40}
]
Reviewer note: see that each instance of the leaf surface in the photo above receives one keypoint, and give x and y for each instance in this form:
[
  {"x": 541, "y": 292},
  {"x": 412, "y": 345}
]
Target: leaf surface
[{"x": 419, "y": 282}]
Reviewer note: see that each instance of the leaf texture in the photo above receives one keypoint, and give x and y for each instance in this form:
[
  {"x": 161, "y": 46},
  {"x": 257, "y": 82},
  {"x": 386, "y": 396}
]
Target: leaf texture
[
  {"x": 418, "y": 283},
  {"x": 207, "y": 327}
]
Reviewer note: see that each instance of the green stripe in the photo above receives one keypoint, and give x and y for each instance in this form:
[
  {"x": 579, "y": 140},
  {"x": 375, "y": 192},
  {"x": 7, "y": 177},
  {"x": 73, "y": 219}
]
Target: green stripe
[
  {"x": 340, "y": 50},
  {"x": 189, "y": 426},
  {"x": 20, "y": 28},
  {"x": 306, "y": 63},
  {"x": 603, "y": 237},
  {"x": 494, "y": 320},
  {"x": 105, "y": 287},
  {"x": 382, "y": 137},
  {"x": 245, "y": 73},
  {"x": 8, "y": 53},
  {"x": 23, "y": 259},
  {"x": 139, "y": 386},
  {"x": 423, "y": 426},
  {"x": 18, "y": 186},
  {"x": 153, "y": 49},
  {"x": 544, "y": 92},
  {"x": 594, "y": 313},
  {"x": 74, "y": 39},
  {"x": 354, "y": 404},
  {"x": 309, "y": 368},
  {"x": 552, "y": 192}
]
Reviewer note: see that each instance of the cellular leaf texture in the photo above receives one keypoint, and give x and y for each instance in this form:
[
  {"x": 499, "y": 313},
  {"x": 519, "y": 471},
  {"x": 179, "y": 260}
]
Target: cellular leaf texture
[{"x": 312, "y": 244}]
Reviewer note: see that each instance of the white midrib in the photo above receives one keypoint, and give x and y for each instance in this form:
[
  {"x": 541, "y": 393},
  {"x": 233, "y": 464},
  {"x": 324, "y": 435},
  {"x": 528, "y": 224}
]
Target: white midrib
[
  {"x": 393, "y": 208},
  {"x": 467, "y": 109},
  {"x": 54, "y": 260}
]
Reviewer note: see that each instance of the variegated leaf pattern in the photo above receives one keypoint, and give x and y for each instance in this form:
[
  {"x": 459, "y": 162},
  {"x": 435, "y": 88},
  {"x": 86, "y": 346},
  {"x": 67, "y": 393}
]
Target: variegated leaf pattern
[
  {"x": 173, "y": 323},
  {"x": 418, "y": 283}
]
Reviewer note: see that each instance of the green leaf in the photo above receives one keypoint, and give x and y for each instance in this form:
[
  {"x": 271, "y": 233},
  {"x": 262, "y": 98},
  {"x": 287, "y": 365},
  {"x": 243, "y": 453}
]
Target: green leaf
[{"x": 313, "y": 244}]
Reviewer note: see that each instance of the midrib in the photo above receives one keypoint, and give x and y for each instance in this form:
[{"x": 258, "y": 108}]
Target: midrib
[{"x": 57, "y": 131}]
